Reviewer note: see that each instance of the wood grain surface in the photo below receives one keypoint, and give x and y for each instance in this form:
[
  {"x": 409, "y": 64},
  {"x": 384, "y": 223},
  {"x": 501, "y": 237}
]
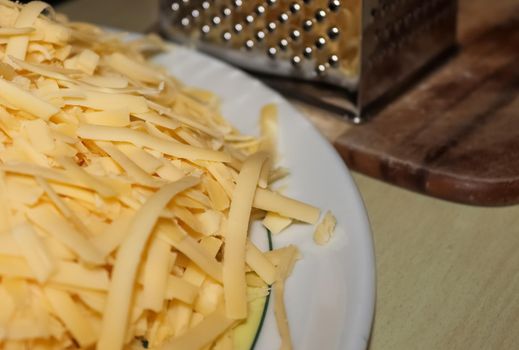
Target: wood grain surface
[
  {"x": 447, "y": 274},
  {"x": 455, "y": 134}
]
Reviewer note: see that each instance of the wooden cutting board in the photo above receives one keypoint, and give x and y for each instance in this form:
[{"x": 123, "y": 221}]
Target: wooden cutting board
[{"x": 454, "y": 135}]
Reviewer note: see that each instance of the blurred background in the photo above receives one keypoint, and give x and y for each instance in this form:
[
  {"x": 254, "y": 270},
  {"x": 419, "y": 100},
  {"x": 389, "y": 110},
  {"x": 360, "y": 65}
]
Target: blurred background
[{"x": 131, "y": 15}]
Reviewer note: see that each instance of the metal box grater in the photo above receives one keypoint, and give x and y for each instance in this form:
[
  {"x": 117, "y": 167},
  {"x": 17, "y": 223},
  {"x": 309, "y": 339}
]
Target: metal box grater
[{"x": 349, "y": 56}]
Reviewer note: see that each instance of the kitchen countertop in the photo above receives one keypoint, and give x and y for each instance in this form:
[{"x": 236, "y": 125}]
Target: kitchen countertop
[{"x": 447, "y": 274}]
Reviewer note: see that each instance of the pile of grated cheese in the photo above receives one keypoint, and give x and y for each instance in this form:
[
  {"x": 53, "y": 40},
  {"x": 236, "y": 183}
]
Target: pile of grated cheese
[{"x": 125, "y": 197}]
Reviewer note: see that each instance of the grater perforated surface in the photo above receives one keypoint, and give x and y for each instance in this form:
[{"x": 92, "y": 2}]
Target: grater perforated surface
[
  {"x": 309, "y": 39},
  {"x": 349, "y": 56}
]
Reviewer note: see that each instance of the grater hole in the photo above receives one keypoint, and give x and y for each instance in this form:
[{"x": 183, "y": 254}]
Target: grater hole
[
  {"x": 175, "y": 6},
  {"x": 308, "y": 52},
  {"x": 260, "y": 35},
  {"x": 320, "y": 69},
  {"x": 185, "y": 22},
  {"x": 334, "y": 5},
  {"x": 226, "y": 12},
  {"x": 283, "y": 17},
  {"x": 333, "y": 33},
  {"x": 216, "y": 20},
  {"x": 205, "y": 29},
  {"x": 226, "y": 36},
  {"x": 320, "y": 42},
  {"x": 308, "y": 25},
  {"x": 283, "y": 44},
  {"x": 238, "y": 27},
  {"x": 295, "y": 34},
  {"x": 333, "y": 60},
  {"x": 272, "y": 52},
  {"x": 307, "y": 35},
  {"x": 249, "y": 44},
  {"x": 320, "y": 15},
  {"x": 260, "y": 10},
  {"x": 296, "y": 61},
  {"x": 295, "y": 7}
]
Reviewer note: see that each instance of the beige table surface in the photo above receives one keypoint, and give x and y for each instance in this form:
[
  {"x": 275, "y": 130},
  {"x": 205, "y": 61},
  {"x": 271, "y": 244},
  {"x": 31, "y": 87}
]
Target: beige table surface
[{"x": 447, "y": 274}]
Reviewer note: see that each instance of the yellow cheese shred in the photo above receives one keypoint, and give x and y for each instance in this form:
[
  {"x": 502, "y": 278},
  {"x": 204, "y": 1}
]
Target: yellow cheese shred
[
  {"x": 57, "y": 175},
  {"x": 110, "y": 101},
  {"x": 179, "y": 289},
  {"x": 276, "y": 223},
  {"x": 291, "y": 208},
  {"x": 268, "y": 141},
  {"x": 324, "y": 230},
  {"x": 4, "y": 208},
  {"x": 17, "y": 46},
  {"x": 143, "y": 159},
  {"x": 39, "y": 134},
  {"x": 94, "y": 299},
  {"x": 110, "y": 240},
  {"x": 190, "y": 248},
  {"x": 217, "y": 194},
  {"x": 116, "y": 315},
  {"x": 48, "y": 219},
  {"x": 193, "y": 274},
  {"x": 125, "y": 65},
  {"x": 156, "y": 271},
  {"x": 26, "y": 101},
  {"x": 159, "y": 120},
  {"x": 289, "y": 256},
  {"x": 34, "y": 251},
  {"x": 68, "y": 312},
  {"x": 235, "y": 286},
  {"x": 15, "y": 31},
  {"x": 67, "y": 273},
  {"x": 126, "y": 198},
  {"x": 202, "y": 334},
  {"x": 116, "y": 117},
  {"x": 7, "y": 309},
  {"x": 88, "y": 180},
  {"x": 107, "y": 133},
  {"x": 61, "y": 205},
  {"x": 259, "y": 263},
  {"x": 132, "y": 169}
]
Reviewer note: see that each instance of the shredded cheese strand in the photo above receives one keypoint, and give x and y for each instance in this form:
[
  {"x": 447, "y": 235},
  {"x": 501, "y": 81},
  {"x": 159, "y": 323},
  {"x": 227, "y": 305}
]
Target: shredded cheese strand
[
  {"x": 108, "y": 133},
  {"x": 95, "y": 141},
  {"x": 15, "y": 31},
  {"x": 235, "y": 287},
  {"x": 202, "y": 334},
  {"x": 26, "y": 101},
  {"x": 116, "y": 314},
  {"x": 17, "y": 46},
  {"x": 288, "y": 207}
]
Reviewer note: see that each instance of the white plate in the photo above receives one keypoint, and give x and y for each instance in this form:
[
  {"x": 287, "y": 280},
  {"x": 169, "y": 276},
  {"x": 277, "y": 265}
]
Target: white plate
[{"x": 330, "y": 295}]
